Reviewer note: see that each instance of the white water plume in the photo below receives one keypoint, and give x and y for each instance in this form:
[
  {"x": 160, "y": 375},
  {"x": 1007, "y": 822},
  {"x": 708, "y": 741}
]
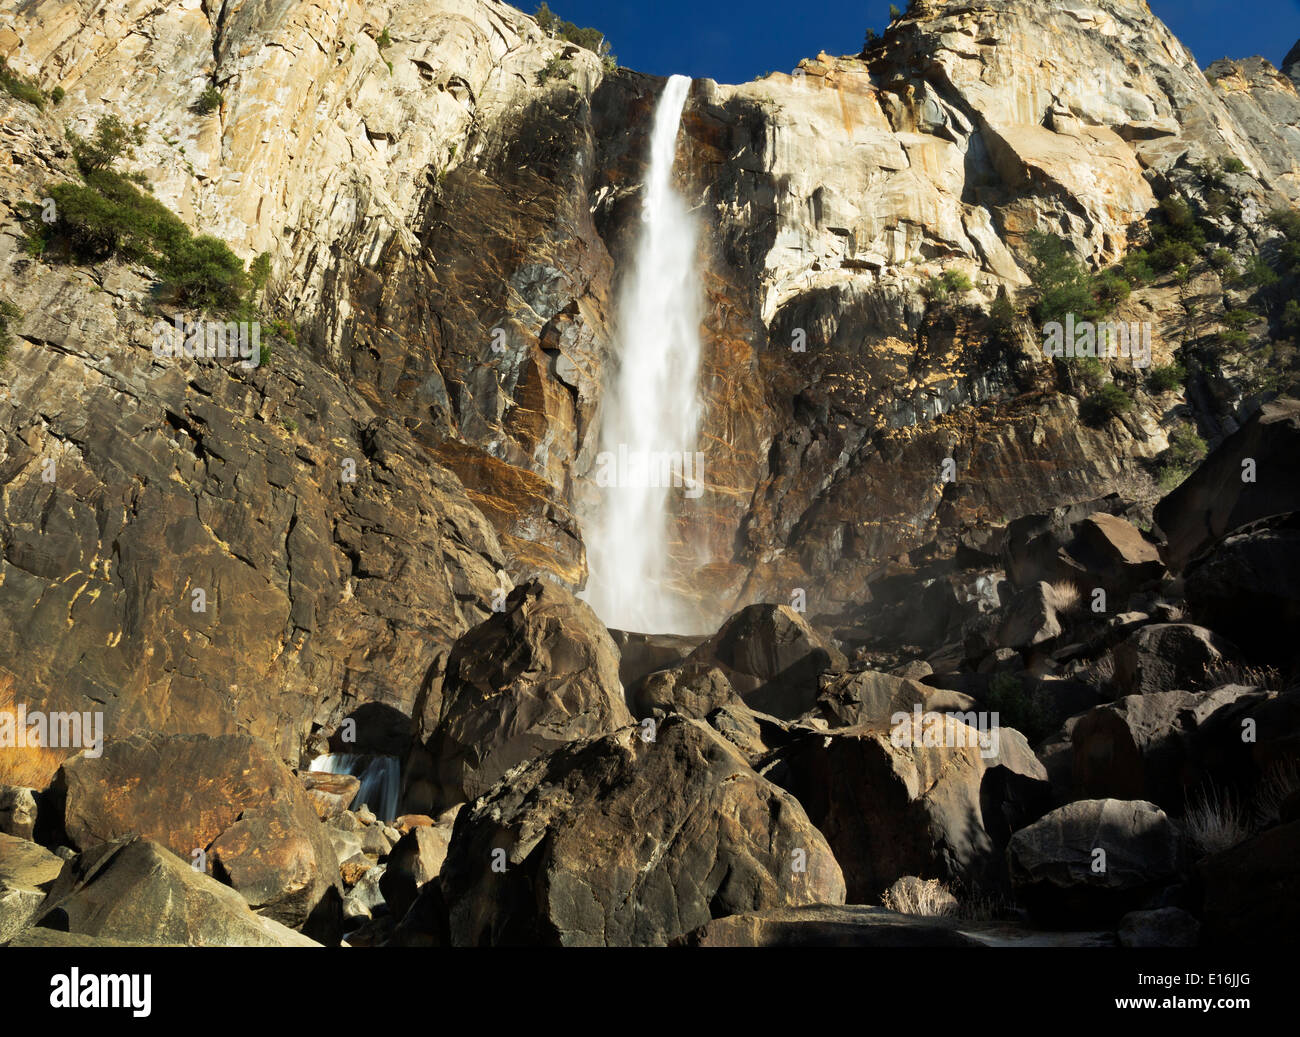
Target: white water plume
[{"x": 650, "y": 422}]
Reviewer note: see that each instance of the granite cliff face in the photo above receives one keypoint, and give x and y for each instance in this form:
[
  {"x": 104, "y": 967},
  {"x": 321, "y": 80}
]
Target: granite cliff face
[
  {"x": 447, "y": 218},
  {"x": 907, "y": 508}
]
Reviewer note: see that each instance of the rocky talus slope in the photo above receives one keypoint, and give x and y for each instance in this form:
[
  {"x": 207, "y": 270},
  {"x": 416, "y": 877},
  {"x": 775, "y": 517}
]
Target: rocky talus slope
[{"x": 917, "y": 704}]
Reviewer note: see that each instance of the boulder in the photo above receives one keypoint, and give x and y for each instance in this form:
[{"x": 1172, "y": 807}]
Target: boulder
[
  {"x": 643, "y": 654},
  {"x": 366, "y": 897},
  {"x": 376, "y": 842},
  {"x": 823, "y": 925},
  {"x": 1161, "y": 747},
  {"x": 1163, "y": 927},
  {"x": 618, "y": 841},
  {"x": 1168, "y": 657},
  {"x": 865, "y": 697},
  {"x": 18, "y": 809},
  {"x": 537, "y": 676},
  {"x": 353, "y": 868},
  {"x": 1034, "y": 546},
  {"x": 772, "y": 658},
  {"x": 26, "y": 872},
  {"x": 1091, "y": 862},
  {"x": 1031, "y": 618},
  {"x": 1248, "y": 589},
  {"x": 1016, "y": 789},
  {"x": 330, "y": 794},
  {"x": 1116, "y": 555},
  {"x": 754, "y": 734},
  {"x": 1252, "y": 891},
  {"x": 1215, "y": 499},
  {"x": 694, "y": 690},
  {"x": 415, "y": 860},
  {"x": 135, "y": 890},
  {"x": 895, "y": 802},
  {"x": 228, "y": 795}
]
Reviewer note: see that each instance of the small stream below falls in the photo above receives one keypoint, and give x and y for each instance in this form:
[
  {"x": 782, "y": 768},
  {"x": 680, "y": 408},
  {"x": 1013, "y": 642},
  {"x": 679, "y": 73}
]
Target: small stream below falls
[{"x": 381, "y": 779}]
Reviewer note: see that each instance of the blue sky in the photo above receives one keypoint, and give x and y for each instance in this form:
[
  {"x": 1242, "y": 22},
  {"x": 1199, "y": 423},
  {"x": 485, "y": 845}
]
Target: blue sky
[{"x": 734, "y": 41}]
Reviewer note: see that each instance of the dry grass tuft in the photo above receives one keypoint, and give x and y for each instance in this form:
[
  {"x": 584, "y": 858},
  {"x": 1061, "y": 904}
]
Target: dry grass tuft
[
  {"x": 1064, "y": 596},
  {"x": 30, "y": 767},
  {"x": 1223, "y": 673},
  {"x": 924, "y": 898},
  {"x": 1279, "y": 781},
  {"x": 1215, "y": 822}
]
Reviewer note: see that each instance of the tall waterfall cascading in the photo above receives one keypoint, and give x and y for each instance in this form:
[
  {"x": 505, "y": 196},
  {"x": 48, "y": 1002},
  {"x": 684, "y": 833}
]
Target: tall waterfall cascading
[
  {"x": 381, "y": 780},
  {"x": 650, "y": 416}
]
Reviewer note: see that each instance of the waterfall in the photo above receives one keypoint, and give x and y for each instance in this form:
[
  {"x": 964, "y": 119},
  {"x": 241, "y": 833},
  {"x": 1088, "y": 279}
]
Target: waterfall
[
  {"x": 650, "y": 415},
  {"x": 381, "y": 780}
]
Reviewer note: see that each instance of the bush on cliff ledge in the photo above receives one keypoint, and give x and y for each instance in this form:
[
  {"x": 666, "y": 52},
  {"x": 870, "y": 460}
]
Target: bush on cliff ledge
[{"x": 107, "y": 215}]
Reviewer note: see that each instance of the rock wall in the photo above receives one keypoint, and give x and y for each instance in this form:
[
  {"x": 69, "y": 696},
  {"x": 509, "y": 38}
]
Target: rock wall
[{"x": 448, "y": 216}]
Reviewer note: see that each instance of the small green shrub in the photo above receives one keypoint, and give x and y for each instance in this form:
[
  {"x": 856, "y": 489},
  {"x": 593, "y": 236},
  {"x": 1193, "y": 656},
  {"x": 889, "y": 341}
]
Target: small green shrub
[
  {"x": 111, "y": 140},
  {"x": 17, "y": 87},
  {"x": 1110, "y": 401},
  {"x": 556, "y": 68},
  {"x": 1111, "y": 290},
  {"x": 1089, "y": 371},
  {"x": 384, "y": 40},
  {"x": 1137, "y": 268},
  {"x": 1016, "y": 707},
  {"x": 209, "y": 101},
  {"x": 1166, "y": 378},
  {"x": 283, "y": 329},
  {"x": 950, "y": 282},
  {"x": 57, "y": 95},
  {"x": 1186, "y": 448},
  {"x": 1233, "y": 165},
  {"x": 204, "y": 273},
  {"x": 8, "y": 312}
]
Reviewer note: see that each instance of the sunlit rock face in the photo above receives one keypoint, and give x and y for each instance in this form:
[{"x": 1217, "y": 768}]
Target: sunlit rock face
[{"x": 450, "y": 236}]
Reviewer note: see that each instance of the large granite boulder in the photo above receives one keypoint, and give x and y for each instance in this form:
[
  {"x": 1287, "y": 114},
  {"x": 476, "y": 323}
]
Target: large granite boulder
[
  {"x": 907, "y": 800},
  {"x": 228, "y": 797},
  {"x": 623, "y": 841},
  {"x": 1253, "y": 474},
  {"x": 535, "y": 677},
  {"x": 1247, "y": 588},
  {"x": 1164, "y": 746},
  {"x": 136, "y": 891},
  {"x": 772, "y": 658},
  {"x": 1169, "y": 657},
  {"x": 1091, "y": 862}
]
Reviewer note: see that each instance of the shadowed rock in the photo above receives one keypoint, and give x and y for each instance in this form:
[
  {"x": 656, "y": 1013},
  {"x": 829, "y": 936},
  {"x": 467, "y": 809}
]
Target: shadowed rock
[
  {"x": 1093, "y": 861},
  {"x": 621, "y": 841},
  {"x": 535, "y": 677}
]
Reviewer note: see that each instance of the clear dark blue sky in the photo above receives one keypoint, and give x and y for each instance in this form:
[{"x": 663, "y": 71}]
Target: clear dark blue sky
[{"x": 734, "y": 41}]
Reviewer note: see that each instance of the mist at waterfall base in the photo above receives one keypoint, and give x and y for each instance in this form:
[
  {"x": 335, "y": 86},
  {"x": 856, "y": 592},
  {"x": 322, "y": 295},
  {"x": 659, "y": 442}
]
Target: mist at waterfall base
[
  {"x": 381, "y": 780},
  {"x": 651, "y": 408}
]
